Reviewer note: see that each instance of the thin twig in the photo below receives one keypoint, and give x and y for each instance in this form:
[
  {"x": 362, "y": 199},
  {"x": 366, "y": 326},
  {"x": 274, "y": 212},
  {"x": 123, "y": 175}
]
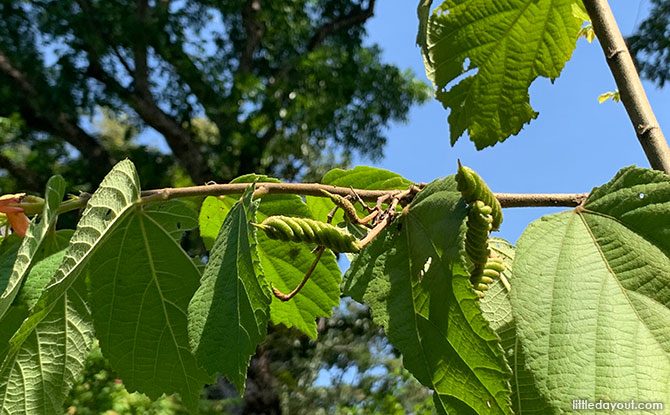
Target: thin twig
[
  {"x": 309, "y": 189},
  {"x": 507, "y": 200},
  {"x": 286, "y": 297},
  {"x": 384, "y": 221},
  {"x": 512, "y": 200},
  {"x": 630, "y": 88}
]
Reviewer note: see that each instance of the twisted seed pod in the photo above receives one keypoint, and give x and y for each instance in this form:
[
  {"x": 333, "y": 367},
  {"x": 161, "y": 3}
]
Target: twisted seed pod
[
  {"x": 484, "y": 275},
  {"x": 343, "y": 203},
  {"x": 473, "y": 188},
  {"x": 285, "y": 228},
  {"x": 477, "y": 235}
]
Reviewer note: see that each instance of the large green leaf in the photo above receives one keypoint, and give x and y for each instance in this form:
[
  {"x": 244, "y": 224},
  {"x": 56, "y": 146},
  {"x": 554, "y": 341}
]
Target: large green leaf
[
  {"x": 228, "y": 315},
  {"x": 47, "y": 353},
  {"x": 175, "y": 216},
  {"x": 591, "y": 293},
  {"x": 52, "y": 252},
  {"x": 360, "y": 177},
  {"x": 413, "y": 277},
  {"x": 39, "y": 277},
  {"x": 497, "y": 310},
  {"x": 141, "y": 282},
  {"x": 9, "y": 248},
  {"x": 38, "y": 228},
  {"x": 483, "y": 55},
  {"x": 284, "y": 263}
]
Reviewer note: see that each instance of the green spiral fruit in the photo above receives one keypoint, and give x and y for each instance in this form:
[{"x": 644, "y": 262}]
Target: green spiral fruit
[
  {"x": 293, "y": 229},
  {"x": 476, "y": 238},
  {"x": 484, "y": 275},
  {"x": 473, "y": 188},
  {"x": 343, "y": 203}
]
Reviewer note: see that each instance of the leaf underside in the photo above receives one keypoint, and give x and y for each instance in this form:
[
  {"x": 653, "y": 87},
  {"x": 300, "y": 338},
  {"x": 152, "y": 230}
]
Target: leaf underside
[
  {"x": 141, "y": 283},
  {"x": 32, "y": 241},
  {"x": 497, "y": 310},
  {"x": 591, "y": 294},
  {"x": 46, "y": 355}
]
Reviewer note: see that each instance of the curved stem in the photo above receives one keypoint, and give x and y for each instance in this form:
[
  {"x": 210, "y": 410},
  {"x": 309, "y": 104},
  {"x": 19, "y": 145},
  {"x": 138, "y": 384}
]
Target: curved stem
[
  {"x": 627, "y": 79},
  {"x": 286, "y": 297}
]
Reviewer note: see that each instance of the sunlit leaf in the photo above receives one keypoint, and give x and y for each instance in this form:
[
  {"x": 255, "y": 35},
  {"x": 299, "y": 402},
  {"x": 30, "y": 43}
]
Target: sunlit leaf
[
  {"x": 228, "y": 315},
  {"x": 483, "y": 55},
  {"x": 414, "y": 279},
  {"x": 591, "y": 294},
  {"x": 497, "y": 310},
  {"x": 284, "y": 263}
]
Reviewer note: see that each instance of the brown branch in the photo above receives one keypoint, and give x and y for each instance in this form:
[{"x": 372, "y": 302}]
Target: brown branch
[
  {"x": 511, "y": 200},
  {"x": 333, "y": 26},
  {"x": 140, "y": 98},
  {"x": 181, "y": 142},
  {"x": 627, "y": 79},
  {"x": 316, "y": 189},
  {"x": 17, "y": 76},
  {"x": 507, "y": 200}
]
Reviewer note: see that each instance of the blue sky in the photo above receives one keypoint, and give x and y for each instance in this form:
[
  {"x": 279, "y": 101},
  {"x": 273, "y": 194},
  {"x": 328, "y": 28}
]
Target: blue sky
[{"x": 575, "y": 144}]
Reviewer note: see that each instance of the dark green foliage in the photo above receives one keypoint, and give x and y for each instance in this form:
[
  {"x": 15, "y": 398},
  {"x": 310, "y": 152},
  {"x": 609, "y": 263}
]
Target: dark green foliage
[
  {"x": 650, "y": 44},
  {"x": 100, "y": 391},
  {"x": 285, "y": 88}
]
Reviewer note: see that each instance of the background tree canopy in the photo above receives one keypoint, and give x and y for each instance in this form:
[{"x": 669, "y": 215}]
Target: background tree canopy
[
  {"x": 651, "y": 43},
  {"x": 282, "y": 88}
]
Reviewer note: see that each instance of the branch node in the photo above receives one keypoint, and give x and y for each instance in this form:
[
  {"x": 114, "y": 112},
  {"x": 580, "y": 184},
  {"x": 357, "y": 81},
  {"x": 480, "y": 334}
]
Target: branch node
[{"x": 614, "y": 52}]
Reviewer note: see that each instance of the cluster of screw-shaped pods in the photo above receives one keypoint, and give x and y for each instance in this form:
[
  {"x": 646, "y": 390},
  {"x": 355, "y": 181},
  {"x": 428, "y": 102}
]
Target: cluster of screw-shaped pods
[
  {"x": 287, "y": 228},
  {"x": 484, "y": 215}
]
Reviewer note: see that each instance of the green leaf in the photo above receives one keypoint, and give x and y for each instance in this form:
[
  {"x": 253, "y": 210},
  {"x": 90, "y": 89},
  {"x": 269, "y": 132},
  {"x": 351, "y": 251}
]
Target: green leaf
[
  {"x": 54, "y": 242},
  {"x": 483, "y": 55},
  {"x": 174, "y": 216},
  {"x": 614, "y": 96},
  {"x": 496, "y": 306},
  {"x": 38, "y": 228},
  {"x": 212, "y": 214},
  {"x": 9, "y": 324},
  {"x": 228, "y": 315},
  {"x": 413, "y": 277},
  {"x": 38, "y": 278},
  {"x": 591, "y": 293},
  {"x": 9, "y": 248},
  {"x": 360, "y": 177},
  {"x": 284, "y": 263},
  {"x": 141, "y": 282},
  {"x": 497, "y": 310},
  {"x": 47, "y": 353},
  {"x": 423, "y": 13}
]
